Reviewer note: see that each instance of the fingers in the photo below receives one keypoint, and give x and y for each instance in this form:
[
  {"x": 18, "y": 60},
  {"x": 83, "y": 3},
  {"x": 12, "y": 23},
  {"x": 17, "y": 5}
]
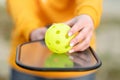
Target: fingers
[
  {"x": 38, "y": 34},
  {"x": 83, "y": 26},
  {"x": 83, "y": 45},
  {"x": 78, "y": 23},
  {"x": 76, "y": 28},
  {"x": 80, "y": 37},
  {"x": 75, "y": 25}
]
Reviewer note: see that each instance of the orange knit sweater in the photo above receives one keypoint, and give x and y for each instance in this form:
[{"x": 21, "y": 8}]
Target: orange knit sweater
[{"x": 28, "y": 15}]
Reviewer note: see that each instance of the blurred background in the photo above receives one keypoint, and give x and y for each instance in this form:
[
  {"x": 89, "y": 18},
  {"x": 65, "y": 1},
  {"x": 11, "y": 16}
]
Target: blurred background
[{"x": 108, "y": 37}]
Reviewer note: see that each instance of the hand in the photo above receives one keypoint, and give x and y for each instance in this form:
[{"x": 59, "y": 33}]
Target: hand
[
  {"x": 38, "y": 34},
  {"x": 84, "y": 27}
]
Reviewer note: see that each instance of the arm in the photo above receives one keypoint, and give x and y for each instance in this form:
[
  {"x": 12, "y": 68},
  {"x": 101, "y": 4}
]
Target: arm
[{"x": 25, "y": 16}]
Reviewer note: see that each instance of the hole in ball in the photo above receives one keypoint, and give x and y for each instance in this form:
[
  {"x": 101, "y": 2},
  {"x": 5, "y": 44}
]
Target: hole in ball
[
  {"x": 57, "y": 32},
  {"x": 57, "y": 42},
  {"x": 56, "y": 50},
  {"x": 66, "y": 46},
  {"x": 66, "y": 36}
]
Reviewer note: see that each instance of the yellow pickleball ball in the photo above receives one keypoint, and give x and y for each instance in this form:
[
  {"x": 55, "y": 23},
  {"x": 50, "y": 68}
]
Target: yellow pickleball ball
[{"x": 57, "y": 39}]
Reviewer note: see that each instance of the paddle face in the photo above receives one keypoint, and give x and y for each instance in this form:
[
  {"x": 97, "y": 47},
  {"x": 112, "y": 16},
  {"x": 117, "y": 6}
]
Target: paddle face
[{"x": 36, "y": 56}]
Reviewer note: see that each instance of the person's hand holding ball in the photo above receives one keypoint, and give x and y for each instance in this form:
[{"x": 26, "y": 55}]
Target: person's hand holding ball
[
  {"x": 60, "y": 38},
  {"x": 82, "y": 25}
]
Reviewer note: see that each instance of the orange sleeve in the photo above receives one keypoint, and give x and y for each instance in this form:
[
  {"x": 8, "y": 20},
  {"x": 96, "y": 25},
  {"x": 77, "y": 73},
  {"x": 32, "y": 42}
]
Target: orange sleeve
[
  {"x": 25, "y": 16},
  {"x": 93, "y": 8}
]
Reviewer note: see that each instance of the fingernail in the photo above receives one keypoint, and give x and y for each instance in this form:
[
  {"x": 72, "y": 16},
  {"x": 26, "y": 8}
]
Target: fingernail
[
  {"x": 71, "y": 44},
  {"x": 71, "y": 57},
  {"x": 69, "y": 34},
  {"x": 71, "y": 51}
]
